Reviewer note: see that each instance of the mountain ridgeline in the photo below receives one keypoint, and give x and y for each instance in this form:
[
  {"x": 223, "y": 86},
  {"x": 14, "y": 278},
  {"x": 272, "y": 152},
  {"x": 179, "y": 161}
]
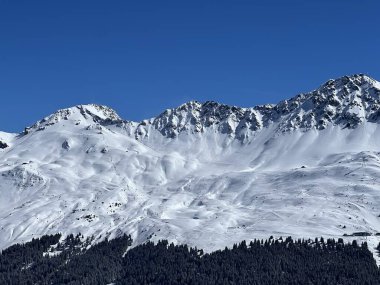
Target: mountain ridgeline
[{"x": 347, "y": 102}]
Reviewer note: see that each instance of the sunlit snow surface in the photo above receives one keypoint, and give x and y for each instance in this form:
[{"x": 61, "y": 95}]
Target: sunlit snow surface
[{"x": 72, "y": 174}]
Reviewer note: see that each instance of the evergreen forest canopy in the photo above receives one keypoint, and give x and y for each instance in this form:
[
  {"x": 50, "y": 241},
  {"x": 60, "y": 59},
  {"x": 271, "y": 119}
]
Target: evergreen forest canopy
[{"x": 274, "y": 261}]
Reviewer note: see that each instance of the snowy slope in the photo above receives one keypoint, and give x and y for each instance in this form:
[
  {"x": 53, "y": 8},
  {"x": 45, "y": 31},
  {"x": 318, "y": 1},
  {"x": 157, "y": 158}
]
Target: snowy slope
[{"x": 203, "y": 174}]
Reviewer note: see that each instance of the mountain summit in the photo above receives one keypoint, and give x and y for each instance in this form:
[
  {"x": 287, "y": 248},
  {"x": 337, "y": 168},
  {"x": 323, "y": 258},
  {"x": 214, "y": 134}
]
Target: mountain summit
[
  {"x": 205, "y": 174},
  {"x": 90, "y": 113}
]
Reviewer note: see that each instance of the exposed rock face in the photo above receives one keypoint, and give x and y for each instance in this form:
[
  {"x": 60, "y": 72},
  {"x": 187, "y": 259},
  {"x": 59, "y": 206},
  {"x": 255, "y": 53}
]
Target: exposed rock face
[
  {"x": 66, "y": 145},
  {"x": 195, "y": 117},
  {"x": 3, "y": 145},
  {"x": 347, "y": 101}
]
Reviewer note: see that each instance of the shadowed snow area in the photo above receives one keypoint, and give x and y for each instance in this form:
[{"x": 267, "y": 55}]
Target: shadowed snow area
[{"x": 203, "y": 174}]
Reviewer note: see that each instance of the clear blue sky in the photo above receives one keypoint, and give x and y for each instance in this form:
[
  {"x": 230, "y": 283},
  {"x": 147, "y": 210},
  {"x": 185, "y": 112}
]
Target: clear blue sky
[{"x": 141, "y": 57}]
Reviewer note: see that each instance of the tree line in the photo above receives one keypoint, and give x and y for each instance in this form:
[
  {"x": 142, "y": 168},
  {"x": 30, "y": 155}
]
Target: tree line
[{"x": 53, "y": 260}]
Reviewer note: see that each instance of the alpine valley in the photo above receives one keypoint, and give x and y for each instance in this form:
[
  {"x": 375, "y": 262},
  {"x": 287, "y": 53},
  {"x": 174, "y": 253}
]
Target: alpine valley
[{"x": 203, "y": 174}]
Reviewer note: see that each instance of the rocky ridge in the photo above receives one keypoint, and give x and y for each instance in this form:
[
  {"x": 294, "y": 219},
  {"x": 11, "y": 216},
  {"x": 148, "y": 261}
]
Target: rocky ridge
[{"x": 347, "y": 101}]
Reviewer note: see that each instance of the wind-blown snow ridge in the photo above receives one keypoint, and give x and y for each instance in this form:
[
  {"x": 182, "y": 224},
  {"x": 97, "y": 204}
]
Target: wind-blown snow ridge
[{"x": 206, "y": 174}]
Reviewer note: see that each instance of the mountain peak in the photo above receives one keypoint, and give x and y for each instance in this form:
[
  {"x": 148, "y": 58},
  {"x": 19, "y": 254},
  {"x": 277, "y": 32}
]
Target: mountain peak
[
  {"x": 88, "y": 113},
  {"x": 357, "y": 80},
  {"x": 346, "y": 101},
  {"x": 99, "y": 111}
]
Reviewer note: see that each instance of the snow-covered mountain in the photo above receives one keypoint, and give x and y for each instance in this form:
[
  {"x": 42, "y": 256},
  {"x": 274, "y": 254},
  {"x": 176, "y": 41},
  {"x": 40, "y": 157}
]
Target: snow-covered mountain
[{"x": 205, "y": 174}]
